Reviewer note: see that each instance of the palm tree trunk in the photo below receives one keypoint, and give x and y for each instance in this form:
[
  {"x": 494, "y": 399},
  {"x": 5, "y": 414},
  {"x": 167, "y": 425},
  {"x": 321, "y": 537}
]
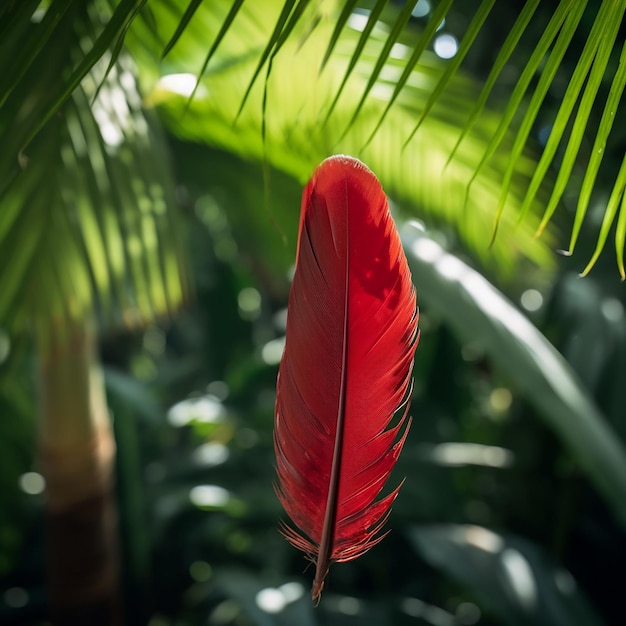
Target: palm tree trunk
[{"x": 77, "y": 453}]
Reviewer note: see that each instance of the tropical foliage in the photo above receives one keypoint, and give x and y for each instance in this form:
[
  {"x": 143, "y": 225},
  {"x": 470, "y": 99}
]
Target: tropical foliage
[{"x": 153, "y": 153}]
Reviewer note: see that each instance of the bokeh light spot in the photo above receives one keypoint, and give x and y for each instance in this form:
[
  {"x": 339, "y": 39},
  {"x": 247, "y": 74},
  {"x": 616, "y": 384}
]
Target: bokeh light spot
[
  {"x": 531, "y": 300},
  {"x": 16, "y": 597},
  {"x": 271, "y": 600},
  {"x": 32, "y": 483},
  {"x": 205, "y": 410},
  {"x": 446, "y": 46},
  {"x": 500, "y": 400},
  {"x": 421, "y": 9},
  {"x": 182, "y": 84},
  {"x": 467, "y": 613},
  {"x": 209, "y": 495},
  {"x": 200, "y": 571},
  {"x": 273, "y": 351},
  {"x": 249, "y": 302},
  {"x": 612, "y": 309}
]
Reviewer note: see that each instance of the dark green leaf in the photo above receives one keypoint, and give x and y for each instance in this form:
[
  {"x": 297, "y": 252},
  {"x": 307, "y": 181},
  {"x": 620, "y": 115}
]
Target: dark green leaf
[
  {"x": 476, "y": 310},
  {"x": 510, "y": 575}
]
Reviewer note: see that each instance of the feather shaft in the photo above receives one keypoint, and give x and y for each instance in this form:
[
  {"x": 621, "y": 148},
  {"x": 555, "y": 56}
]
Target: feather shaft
[{"x": 325, "y": 550}]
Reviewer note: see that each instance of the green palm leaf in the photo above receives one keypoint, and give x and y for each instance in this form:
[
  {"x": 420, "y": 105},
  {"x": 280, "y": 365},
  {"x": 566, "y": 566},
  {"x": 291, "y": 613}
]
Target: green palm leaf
[
  {"x": 544, "y": 65},
  {"x": 298, "y": 98},
  {"x": 40, "y": 35},
  {"x": 476, "y": 310},
  {"x": 84, "y": 231},
  {"x": 184, "y": 30}
]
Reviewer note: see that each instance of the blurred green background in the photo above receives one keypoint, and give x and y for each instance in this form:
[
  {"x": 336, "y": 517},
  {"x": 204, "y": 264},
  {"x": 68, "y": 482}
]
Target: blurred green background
[{"x": 169, "y": 225}]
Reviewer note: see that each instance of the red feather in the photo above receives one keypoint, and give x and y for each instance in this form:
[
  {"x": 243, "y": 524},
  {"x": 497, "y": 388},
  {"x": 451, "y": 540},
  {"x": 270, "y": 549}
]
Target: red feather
[{"x": 346, "y": 369}]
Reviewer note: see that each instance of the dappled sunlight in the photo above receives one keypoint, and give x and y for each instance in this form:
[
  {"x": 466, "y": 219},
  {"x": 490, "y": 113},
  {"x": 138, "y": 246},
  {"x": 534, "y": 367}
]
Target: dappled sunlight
[
  {"x": 211, "y": 453},
  {"x": 520, "y": 577},
  {"x": 272, "y": 351},
  {"x": 207, "y": 409},
  {"x": 32, "y": 483},
  {"x": 276, "y": 599},
  {"x": 429, "y": 613},
  {"x": 182, "y": 84},
  {"x": 211, "y": 496},
  {"x": 479, "y": 537},
  {"x": 453, "y": 454},
  {"x": 445, "y": 46}
]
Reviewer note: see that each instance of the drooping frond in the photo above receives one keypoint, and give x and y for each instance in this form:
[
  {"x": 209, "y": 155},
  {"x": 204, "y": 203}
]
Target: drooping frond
[
  {"x": 298, "y": 96},
  {"x": 208, "y": 38},
  {"x": 87, "y": 224},
  {"x": 473, "y": 307},
  {"x": 542, "y": 67},
  {"x": 40, "y": 36}
]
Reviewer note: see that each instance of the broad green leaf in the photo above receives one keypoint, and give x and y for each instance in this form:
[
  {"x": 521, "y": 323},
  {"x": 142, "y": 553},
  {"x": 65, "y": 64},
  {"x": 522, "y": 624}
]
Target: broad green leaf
[
  {"x": 477, "y": 311},
  {"x": 296, "y": 99},
  {"x": 512, "y": 577}
]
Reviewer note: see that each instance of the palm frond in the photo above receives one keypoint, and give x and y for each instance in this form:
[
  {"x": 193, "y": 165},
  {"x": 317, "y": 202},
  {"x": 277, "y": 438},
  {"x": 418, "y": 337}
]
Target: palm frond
[
  {"x": 418, "y": 50},
  {"x": 40, "y": 35},
  {"x": 37, "y": 31},
  {"x": 543, "y": 65},
  {"x": 87, "y": 224},
  {"x": 366, "y": 32},
  {"x": 470, "y": 36},
  {"x": 298, "y": 97},
  {"x": 597, "y": 152},
  {"x": 589, "y": 73},
  {"x": 341, "y": 21},
  {"x": 559, "y": 31}
]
